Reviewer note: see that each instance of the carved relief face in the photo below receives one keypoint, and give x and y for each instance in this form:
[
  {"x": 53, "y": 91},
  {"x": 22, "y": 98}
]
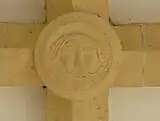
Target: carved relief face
[
  {"x": 80, "y": 61},
  {"x": 76, "y": 55},
  {"x": 83, "y": 61}
]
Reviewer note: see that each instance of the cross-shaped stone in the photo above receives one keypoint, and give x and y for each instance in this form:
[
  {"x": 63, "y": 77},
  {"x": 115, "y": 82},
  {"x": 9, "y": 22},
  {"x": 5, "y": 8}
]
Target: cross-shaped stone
[{"x": 24, "y": 64}]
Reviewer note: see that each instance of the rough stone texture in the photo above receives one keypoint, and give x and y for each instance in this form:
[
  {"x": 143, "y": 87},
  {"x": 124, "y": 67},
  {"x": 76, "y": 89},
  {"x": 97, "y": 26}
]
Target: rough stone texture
[
  {"x": 19, "y": 35},
  {"x": 138, "y": 69},
  {"x": 83, "y": 65},
  {"x": 58, "y": 109},
  {"x": 131, "y": 70},
  {"x": 141, "y": 38},
  {"x": 130, "y": 36},
  {"x": 152, "y": 69},
  {"x": 95, "y": 109},
  {"x": 17, "y": 68},
  {"x": 56, "y": 8},
  {"x": 98, "y": 7},
  {"x": 151, "y": 37}
]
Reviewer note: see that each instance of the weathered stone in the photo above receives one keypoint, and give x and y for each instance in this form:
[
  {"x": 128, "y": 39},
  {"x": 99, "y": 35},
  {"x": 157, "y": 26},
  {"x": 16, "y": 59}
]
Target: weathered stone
[
  {"x": 130, "y": 36},
  {"x": 152, "y": 69},
  {"x": 97, "y": 7},
  {"x": 151, "y": 37},
  {"x": 94, "y": 109},
  {"x": 19, "y": 35},
  {"x": 22, "y": 36},
  {"x": 17, "y": 68},
  {"x": 81, "y": 54},
  {"x": 131, "y": 70},
  {"x": 58, "y": 108},
  {"x": 56, "y": 8}
]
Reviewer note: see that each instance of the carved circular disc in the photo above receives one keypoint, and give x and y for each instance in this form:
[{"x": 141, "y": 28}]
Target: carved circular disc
[{"x": 76, "y": 55}]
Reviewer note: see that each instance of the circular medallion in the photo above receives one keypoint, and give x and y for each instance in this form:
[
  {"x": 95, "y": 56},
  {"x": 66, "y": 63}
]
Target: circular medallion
[{"x": 75, "y": 54}]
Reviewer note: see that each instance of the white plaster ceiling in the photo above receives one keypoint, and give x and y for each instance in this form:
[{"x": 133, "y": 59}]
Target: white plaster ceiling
[
  {"x": 134, "y": 104},
  {"x": 134, "y": 11},
  {"x": 22, "y": 104},
  {"x": 22, "y": 11}
]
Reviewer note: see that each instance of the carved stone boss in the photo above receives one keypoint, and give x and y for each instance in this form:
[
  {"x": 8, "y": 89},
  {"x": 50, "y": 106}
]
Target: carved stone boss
[{"x": 77, "y": 55}]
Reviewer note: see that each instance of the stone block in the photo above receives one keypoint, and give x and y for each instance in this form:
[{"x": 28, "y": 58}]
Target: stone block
[
  {"x": 151, "y": 37},
  {"x": 131, "y": 70},
  {"x": 130, "y": 36},
  {"x": 152, "y": 69},
  {"x": 17, "y": 68}
]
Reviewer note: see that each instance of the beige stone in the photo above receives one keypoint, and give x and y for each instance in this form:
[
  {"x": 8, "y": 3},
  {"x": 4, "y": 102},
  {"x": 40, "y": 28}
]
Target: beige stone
[
  {"x": 131, "y": 70},
  {"x": 95, "y": 109},
  {"x": 98, "y": 7},
  {"x": 21, "y": 36},
  {"x": 3, "y": 36},
  {"x": 17, "y": 68},
  {"x": 151, "y": 37},
  {"x": 84, "y": 49},
  {"x": 91, "y": 110},
  {"x": 130, "y": 36},
  {"x": 62, "y": 52},
  {"x": 137, "y": 69},
  {"x": 152, "y": 69},
  {"x": 56, "y": 8},
  {"x": 58, "y": 109}
]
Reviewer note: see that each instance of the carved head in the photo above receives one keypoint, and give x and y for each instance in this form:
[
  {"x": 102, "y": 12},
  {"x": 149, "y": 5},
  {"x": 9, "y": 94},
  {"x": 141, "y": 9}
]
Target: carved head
[
  {"x": 80, "y": 61},
  {"x": 77, "y": 56}
]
